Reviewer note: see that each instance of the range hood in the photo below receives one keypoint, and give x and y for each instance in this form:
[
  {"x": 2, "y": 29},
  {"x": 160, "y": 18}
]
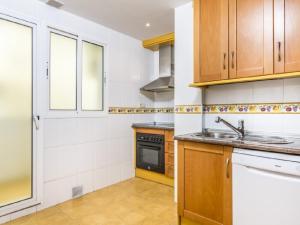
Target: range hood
[{"x": 165, "y": 82}]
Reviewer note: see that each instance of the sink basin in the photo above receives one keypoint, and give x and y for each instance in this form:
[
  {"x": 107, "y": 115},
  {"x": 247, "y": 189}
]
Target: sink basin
[
  {"x": 247, "y": 138},
  {"x": 266, "y": 140},
  {"x": 217, "y": 135}
]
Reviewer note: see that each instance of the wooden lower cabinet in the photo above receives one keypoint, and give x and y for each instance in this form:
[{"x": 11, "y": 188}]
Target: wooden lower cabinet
[{"x": 205, "y": 183}]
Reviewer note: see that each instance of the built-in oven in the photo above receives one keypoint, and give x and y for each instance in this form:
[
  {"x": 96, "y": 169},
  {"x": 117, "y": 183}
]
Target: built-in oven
[{"x": 150, "y": 152}]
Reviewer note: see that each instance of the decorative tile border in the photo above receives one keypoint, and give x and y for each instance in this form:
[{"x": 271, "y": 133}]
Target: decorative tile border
[
  {"x": 272, "y": 108},
  {"x": 267, "y": 108},
  {"x": 188, "y": 109},
  {"x": 138, "y": 110}
]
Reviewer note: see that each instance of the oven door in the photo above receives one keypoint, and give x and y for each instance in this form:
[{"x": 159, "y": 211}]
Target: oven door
[{"x": 150, "y": 156}]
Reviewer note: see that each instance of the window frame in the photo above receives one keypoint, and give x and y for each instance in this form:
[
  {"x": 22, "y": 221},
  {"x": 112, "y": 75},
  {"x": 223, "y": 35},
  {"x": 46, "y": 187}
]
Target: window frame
[
  {"x": 79, "y": 112},
  {"x": 104, "y": 109},
  {"x": 63, "y": 34}
]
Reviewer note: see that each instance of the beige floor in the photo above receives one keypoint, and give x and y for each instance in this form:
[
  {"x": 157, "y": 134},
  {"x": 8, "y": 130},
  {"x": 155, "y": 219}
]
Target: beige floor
[{"x": 133, "y": 202}]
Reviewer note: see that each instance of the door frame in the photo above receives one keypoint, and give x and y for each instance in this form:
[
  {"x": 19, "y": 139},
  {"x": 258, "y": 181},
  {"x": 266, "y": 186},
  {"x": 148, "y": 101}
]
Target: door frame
[{"x": 36, "y": 142}]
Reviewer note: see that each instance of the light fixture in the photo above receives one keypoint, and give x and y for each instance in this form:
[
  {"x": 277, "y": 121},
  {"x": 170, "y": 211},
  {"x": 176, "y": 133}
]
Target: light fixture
[
  {"x": 147, "y": 24},
  {"x": 55, "y": 3}
]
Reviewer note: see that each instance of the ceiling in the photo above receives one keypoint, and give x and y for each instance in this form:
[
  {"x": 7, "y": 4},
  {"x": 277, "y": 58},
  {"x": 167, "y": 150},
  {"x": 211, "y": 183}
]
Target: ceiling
[{"x": 128, "y": 16}]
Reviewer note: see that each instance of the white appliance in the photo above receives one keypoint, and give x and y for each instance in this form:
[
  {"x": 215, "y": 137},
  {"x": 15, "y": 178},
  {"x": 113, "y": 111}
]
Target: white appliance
[{"x": 266, "y": 188}]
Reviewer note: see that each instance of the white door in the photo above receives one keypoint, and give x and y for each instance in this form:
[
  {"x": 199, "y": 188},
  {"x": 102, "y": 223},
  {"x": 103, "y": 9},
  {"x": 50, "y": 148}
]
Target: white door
[
  {"x": 17, "y": 110},
  {"x": 265, "y": 191}
]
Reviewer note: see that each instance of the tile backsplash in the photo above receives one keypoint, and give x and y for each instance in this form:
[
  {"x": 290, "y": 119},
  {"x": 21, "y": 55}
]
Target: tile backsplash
[
  {"x": 266, "y": 106},
  {"x": 271, "y": 91}
]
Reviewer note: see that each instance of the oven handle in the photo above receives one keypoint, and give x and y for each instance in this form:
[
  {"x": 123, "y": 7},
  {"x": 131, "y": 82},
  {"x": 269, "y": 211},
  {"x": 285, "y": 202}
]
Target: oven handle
[{"x": 147, "y": 144}]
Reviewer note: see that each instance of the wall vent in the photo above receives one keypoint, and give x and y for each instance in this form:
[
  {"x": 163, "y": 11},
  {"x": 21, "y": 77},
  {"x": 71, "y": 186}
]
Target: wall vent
[
  {"x": 77, "y": 191},
  {"x": 55, "y": 3}
]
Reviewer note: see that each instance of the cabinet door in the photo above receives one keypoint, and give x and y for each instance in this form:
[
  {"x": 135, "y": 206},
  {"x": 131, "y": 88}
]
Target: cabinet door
[
  {"x": 250, "y": 38},
  {"x": 210, "y": 40},
  {"x": 205, "y": 183},
  {"x": 287, "y": 36}
]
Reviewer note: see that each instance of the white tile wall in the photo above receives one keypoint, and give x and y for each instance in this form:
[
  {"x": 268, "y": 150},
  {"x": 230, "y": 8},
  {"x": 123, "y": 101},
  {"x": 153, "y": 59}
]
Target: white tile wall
[
  {"x": 291, "y": 90},
  {"x": 164, "y": 99},
  {"x": 184, "y": 70},
  {"x": 272, "y": 91},
  {"x": 92, "y": 152},
  {"x": 95, "y": 162}
]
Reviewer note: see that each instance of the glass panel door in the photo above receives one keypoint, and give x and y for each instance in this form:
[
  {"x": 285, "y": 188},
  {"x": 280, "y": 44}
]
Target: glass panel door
[{"x": 15, "y": 112}]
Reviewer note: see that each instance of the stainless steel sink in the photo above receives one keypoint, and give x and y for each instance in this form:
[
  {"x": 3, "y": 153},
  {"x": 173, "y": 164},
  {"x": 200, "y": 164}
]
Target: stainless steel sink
[
  {"x": 246, "y": 138},
  {"x": 266, "y": 139},
  {"x": 217, "y": 135}
]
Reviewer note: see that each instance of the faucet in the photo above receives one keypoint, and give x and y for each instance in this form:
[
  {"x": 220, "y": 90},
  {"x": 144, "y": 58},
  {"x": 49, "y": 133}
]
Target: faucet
[{"x": 240, "y": 130}]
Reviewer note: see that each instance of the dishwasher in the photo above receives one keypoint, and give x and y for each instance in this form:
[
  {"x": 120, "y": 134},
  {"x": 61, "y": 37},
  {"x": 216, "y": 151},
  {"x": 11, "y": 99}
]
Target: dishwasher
[{"x": 266, "y": 188}]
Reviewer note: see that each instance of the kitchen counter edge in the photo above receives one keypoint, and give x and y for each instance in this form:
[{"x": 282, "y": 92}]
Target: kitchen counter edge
[
  {"x": 293, "y": 148},
  {"x": 152, "y": 126}
]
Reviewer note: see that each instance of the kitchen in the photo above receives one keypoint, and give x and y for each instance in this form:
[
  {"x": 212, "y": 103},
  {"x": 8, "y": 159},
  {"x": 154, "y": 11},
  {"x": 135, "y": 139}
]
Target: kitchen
[{"x": 170, "y": 112}]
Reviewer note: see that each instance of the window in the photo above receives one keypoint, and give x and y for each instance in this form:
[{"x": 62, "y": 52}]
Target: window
[
  {"x": 63, "y": 71},
  {"x": 92, "y": 77},
  {"x": 70, "y": 90}
]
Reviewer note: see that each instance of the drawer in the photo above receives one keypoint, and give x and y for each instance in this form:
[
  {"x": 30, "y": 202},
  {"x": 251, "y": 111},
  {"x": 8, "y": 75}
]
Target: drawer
[
  {"x": 169, "y": 135},
  {"x": 169, "y": 159},
  {"x": 169, "y": 171}
]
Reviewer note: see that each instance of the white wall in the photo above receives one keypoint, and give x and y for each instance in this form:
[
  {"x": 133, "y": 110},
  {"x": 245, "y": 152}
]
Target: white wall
[
  {"x": 162, "y": 100},
  {"x": 184, "y": 95},
  {"x": 90, "y": 151}
]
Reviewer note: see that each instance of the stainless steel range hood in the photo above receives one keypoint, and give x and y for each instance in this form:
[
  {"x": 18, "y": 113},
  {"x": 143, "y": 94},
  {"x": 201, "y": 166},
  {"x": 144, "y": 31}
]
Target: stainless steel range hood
[{"x": 165, "y": 82}]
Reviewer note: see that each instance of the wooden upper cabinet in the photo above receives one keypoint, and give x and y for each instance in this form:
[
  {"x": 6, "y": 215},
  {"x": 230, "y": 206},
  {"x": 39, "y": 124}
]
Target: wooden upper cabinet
[
  {"x": 287, "y": 36},
  {"x": 211, "y": 40},
  {"x": 204, "y": 183},
  {"x": 250, "y": 38}
]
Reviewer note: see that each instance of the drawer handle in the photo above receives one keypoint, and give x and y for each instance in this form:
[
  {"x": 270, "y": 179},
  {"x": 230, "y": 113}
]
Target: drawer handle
[{"x": 227, "y": 167}]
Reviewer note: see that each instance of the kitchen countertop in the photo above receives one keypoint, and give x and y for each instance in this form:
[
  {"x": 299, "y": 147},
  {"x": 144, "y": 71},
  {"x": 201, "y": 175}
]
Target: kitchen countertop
[
  {"x": 291, "y": 148},
  {"x": 154, "y": 125}
]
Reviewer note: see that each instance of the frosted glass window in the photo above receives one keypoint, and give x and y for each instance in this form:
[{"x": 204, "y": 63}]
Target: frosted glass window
[
  {"x": 92, "y": 77},
  {"x": 15, "y": 112},
  {"x": 63, "y": 57}
]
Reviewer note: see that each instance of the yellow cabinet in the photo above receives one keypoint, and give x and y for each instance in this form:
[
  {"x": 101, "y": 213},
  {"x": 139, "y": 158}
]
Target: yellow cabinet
[
  {"x": 211, "y": 40},
  {"x": 250, "y": 38},
  {"x": 245, "y": 40},
  {"x": 204, "y": 183},
  {"x": 286, "y": 36},
  {"x": 233, "y": 39}
]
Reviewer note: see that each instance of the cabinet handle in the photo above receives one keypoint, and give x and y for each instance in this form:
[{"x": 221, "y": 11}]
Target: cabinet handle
[
  {"x": 227, "y": 167},
  {"x": 232, "y": 60},
  {"x": 279, "y": 51},
  {"x": 224, "y": 61}
]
